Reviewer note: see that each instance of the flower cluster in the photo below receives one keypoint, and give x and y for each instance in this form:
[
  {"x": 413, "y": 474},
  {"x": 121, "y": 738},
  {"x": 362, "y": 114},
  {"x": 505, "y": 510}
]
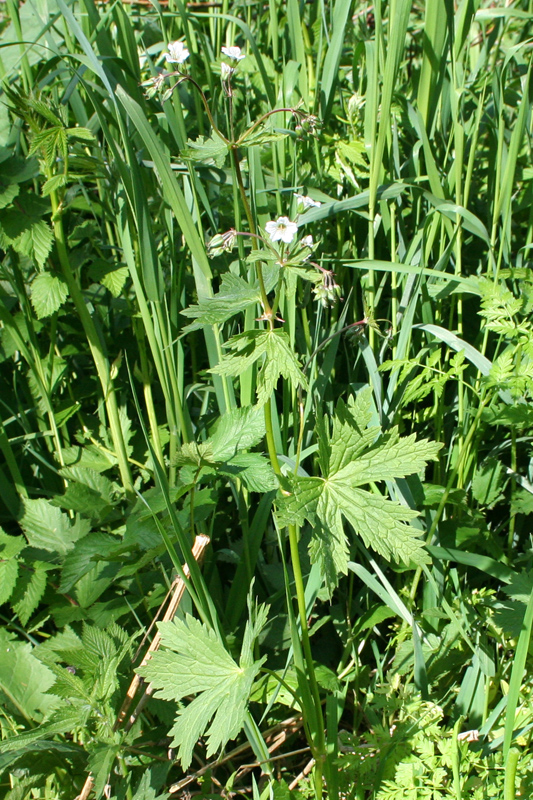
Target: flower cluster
[{"x": 328, "y": 290}]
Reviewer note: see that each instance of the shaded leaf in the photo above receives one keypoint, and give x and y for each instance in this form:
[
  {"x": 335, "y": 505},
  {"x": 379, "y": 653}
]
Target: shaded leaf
[
  {"x": 24, "y": 680},
  {"x": 48, "y": 293}
]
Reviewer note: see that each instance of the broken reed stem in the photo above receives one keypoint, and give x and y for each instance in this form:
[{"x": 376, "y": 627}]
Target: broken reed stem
[{"x": 178, "y": 590}]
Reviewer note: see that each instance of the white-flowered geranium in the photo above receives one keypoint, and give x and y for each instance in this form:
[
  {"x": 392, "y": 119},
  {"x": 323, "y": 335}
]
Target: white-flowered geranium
[
  {"x": 226, "y": 71},
  {"x": 307, "y": 202},
  {"x": 233, "y": 52},
  {"x": 281, "y": 230},
  {"x": 177, "y": 53},
  {"x": 307, "y": 241}
]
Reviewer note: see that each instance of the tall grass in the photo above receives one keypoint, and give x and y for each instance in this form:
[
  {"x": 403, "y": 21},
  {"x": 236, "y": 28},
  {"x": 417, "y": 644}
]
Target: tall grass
[{"x": 411, "y": 127}]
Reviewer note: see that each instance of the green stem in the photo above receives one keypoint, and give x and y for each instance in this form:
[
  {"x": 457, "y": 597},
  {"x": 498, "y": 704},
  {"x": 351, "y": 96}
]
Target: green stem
[
  {"x": 253, "y": 229},
  {"x": 453, "y": 475},
  {"x": 319, "y": 743},
  {"x": 509, "y": 792},
  {"x": 95, "y": 345}
]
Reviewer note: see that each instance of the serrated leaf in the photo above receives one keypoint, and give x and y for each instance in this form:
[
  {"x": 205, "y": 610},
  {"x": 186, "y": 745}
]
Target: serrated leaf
[
  {"x": 8, "y": 194},
  {"x": 209, "y": 150},
  {"x": 53, "y": 184},
  {"x": 238, "y": 429},
  {"x": 64, "y": 719},
  {"x": 145, "y": 790},
  {"x": 81, "y": 134},
  {"x": 279, "y": 360},
  {"x": 48, "y": 528},
  {"x": 22, "y": 228},
  {"x": 35, "y": 242},
  {"x": 48, "y": 293},
  {"x": 88, "y": 552},
  {"x": 10, "y": 547},
  {"x": 115, "y": 280},
  {"x": 101, "y": 759},
  {"x": 49, "y": 142},
  {"x": 29, "y": 590},
  {"x": 234, "y": 296},
  {"x": 253, "y": 469},
  {"x": 265, "y": 136},
  {"x": 197, "y": 663},
  {"x": 91, "y": 478},
  {"x": 24, "y": 680},
  {"x": 357, "y": 455}
]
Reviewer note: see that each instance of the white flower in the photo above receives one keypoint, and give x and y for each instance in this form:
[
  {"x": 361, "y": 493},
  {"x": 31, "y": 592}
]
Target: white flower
[
  {"x": 177, "y": 53},
  {"x": 307, "y": 241},
  {"x": 226, "y": 71},
  {"x": 281, "y": 230},
  {"x": 307, "y": 202},
  {"x": 233, "y": 52}
]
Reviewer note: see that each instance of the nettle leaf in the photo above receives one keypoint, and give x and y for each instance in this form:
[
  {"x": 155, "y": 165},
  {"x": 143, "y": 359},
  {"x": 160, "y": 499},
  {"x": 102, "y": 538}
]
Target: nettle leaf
[
  {"x": 48, "y": 528},
  {"x": 23, "y": 229},
  {"x": 209, "y": 150},
  {"x": 197, "y": 663},
  {"x": 100, "y": 763},
  {"x": 238, "y": 430},
  {"x": 10, "y": 548},
  {"x": 29, "y": 590},
  {"x": 48, "y": 293},
  {"x": 115, "y": 279},
  {"x": 358, "y": 455},
  {"x": 279, "y": 360},
  {"x": 88, "y": 552}
]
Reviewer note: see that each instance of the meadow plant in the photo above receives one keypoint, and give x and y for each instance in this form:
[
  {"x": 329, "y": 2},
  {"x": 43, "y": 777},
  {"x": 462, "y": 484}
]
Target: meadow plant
[{"x": 266, "y": 371}]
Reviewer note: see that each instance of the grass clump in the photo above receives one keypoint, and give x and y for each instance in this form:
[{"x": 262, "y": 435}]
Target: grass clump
[{"x": 265, "y": 377}]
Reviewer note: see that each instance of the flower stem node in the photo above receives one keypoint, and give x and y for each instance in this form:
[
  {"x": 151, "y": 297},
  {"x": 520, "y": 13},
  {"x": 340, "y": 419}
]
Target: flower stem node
[
  {"x": 281, "y": 230},
  {"x": 177, "y": 53},
  {"x": 327, "y": 292}
]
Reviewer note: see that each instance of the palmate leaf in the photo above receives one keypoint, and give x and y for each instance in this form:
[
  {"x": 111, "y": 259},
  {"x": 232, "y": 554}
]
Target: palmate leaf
[
  {"x": 279, "y": 360},
  {"x": 196, "y": 662},
  {"x": 209, "y": 150},
  {"x": 357, "y": 456}
]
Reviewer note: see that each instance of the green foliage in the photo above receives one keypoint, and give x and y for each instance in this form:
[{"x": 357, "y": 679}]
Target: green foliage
[
  {"x": 258, "y": 299},
  {"x": 277, "y": 358},
  {"x": 197, "y": 662},
  {"x": 356, "y": 454}
]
